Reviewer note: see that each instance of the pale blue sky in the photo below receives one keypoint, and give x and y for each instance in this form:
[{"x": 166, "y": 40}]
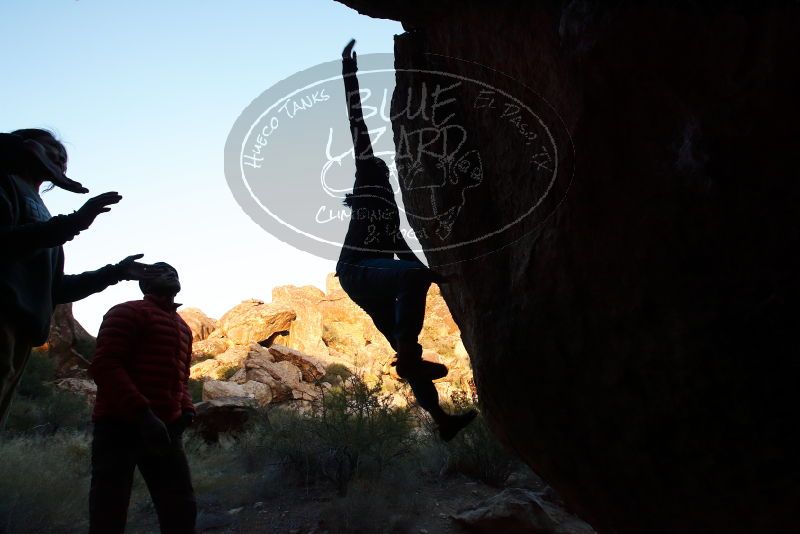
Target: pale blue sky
[{"x": 144, "y": 94}]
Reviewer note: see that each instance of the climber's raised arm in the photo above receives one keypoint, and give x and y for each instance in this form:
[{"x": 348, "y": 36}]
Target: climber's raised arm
[{"x": 358, "y": 128}]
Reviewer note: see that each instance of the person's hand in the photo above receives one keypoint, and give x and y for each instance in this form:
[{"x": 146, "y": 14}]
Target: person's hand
[
  {"x": 179, "y": 426},
  {"x": 95, "y": 206},
  {"x": 348, "y": 54},
  {"x": 186, "y": 420},
  {"x": 130, "y": 269},
  {"x": 154, "y": 432}
]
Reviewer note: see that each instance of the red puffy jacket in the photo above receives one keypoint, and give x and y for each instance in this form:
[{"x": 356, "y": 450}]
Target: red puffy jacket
[{"x": 144, "y": 350}]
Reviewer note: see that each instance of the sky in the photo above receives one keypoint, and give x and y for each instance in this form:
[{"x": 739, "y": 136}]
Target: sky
[{"x": 144, "y": 94}]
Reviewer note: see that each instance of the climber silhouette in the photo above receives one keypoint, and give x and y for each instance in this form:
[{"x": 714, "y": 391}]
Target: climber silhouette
[
  {"x": 392, "y": 291},
  {"x": 32, "y": 279}
]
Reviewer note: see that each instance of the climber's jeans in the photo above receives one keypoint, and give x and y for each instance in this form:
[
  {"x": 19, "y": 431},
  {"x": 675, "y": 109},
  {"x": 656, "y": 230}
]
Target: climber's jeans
[
  {"x": 15, "y": 349},
  {"x": 117, "y": 448},
  {"x": 393, "y": 293}
]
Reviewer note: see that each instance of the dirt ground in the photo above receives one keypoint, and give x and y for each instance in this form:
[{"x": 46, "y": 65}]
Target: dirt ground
[{"x": 296, "y": 510}]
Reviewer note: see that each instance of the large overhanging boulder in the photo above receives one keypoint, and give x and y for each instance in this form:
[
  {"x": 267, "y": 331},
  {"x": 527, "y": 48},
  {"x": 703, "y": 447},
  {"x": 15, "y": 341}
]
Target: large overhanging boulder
[{"x": 635, "y": 339}]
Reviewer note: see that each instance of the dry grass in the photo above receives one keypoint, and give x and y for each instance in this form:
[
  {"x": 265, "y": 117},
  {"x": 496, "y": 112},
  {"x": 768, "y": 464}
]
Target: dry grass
[
  {"x": 353, "y": 444},
  {"x": 44, "y": 483}
]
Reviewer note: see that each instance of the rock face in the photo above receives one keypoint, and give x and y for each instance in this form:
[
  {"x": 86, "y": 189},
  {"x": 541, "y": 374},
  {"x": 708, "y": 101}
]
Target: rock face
[
  {"x": 200, "y": 323},
  {"x": 310, "y": 368},
  {"x": 305, "y": 332},
  {"x": 288, "y": 363},
  {"x": 217, "y": 416},
  {"x": 636, "y": 340},
  {"x": 68, "y": 343},
  {"x": 520, "y": 511},
  {"x": 255, "y": 321},
  {"x": 79, "y": 386}
]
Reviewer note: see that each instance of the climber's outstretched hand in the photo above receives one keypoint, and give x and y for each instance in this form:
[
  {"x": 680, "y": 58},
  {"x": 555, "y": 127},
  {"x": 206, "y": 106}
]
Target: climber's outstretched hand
[
  {"x": 348, "y": 53},
  {"x": 348, "y": 50}
]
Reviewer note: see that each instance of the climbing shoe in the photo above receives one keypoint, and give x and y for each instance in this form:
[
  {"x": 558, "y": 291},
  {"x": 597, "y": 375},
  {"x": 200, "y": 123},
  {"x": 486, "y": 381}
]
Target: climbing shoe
[{"x": 453, "y": 424}]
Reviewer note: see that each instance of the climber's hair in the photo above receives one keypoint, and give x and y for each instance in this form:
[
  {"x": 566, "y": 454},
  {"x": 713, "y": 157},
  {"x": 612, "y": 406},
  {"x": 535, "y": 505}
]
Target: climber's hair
[{"x": 373, "y": 171}]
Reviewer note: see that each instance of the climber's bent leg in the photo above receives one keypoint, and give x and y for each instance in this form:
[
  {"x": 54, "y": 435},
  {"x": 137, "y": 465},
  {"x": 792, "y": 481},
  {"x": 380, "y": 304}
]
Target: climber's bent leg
[
  {"x": 427, "y": 398},
  {"x": 410, "y": 314},
  {"x": 381, "y": 311}
]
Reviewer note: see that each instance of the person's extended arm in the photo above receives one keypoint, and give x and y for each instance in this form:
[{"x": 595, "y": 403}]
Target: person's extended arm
[
  {"x": 74, "y": 287},
  {"x": 19, "y": 240},
  {"x": 358, "y": 127},
  {"x": 115, "y": 342}
]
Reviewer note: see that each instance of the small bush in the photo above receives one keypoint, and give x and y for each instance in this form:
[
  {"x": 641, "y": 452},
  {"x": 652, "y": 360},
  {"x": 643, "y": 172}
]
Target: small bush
[
  {"x": 40, "y": 407},
  {"x": 44, "y": 483},
  {"x": 61, "y": 410},
  {"x": 352, "y": 432},
  {"x": 336, "y": 373},
  {"x": 86, "y": 347},
  {"x": 196, "y": 390},
  {"x": 474, "y": 452},
  {"x": 225, "y": 373},
  {"x": 372, "y": 506},
  {"x": 201, "y": 358},
  {"x": 40, "y": 370}
]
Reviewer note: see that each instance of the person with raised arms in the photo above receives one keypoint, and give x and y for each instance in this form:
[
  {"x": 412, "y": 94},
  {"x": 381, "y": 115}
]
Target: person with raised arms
[
  {"x": 32, "y": 279},
  {"x": 391, "y": 290}
]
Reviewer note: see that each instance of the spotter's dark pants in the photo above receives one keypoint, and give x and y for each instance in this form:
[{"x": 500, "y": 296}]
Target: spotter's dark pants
[
  {"x": 393, "y": 292},
  {"x": 15, "y": 350},
  {"x": 117, "y": 449}
]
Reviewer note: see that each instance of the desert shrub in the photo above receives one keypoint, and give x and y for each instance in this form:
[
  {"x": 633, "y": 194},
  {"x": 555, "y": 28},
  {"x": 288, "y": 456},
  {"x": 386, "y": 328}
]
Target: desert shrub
[
  {"x": 60, "y": 410},
  {"x": 336, "y": 373},
  {"x": 225, "y": 373},
  {"x": 40, "y": 370},
  {"x": 196, "y": 390},
  {"x": 255, "y": 452},
  {"x": 44, "y": 483},
  {"x": 474, "y": 452},
  {"x": 201, "y": 358},
  {"x": 352, "y": 432},
  {"x": 86, "y": 347},
  {"x": 41, "y": 407},
  {"x": 372, "y": 506}
]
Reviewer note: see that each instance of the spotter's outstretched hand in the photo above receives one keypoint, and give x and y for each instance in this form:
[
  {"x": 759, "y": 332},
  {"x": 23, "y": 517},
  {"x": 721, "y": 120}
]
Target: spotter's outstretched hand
[
  {"x": 95, "y": 206},
  {"x": 130, "y": 269}
]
